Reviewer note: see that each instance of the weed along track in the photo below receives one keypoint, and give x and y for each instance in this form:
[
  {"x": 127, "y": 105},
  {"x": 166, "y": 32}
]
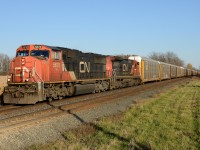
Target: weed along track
[{"x": 20, "y": 117}]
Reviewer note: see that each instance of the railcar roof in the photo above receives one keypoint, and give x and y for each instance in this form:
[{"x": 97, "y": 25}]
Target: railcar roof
[{"x": 149, "y": 59}]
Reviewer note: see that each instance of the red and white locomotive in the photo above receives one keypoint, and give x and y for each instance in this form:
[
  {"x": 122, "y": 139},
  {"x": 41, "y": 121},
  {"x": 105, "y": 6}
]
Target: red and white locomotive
[{"x": 40, "y": 72}]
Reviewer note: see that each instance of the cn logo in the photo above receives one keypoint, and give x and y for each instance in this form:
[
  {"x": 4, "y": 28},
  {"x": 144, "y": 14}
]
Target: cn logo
[
  {"x": 125, "y": 67},
  {"x": 84, "y": 67},
  {"x": 20, "y": 71}
]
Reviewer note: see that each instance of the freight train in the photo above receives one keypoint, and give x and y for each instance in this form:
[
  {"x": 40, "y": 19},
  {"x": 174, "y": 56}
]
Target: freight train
[{"x": 44, "y": 73}]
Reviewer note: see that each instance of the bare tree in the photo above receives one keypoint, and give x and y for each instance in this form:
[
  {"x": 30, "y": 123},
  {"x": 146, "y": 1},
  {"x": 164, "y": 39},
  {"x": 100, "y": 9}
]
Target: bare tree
[
  {"x": 168, "y": 57},
  {"x": 4, "y": 63},
  {"x": 189, "y": 66}
]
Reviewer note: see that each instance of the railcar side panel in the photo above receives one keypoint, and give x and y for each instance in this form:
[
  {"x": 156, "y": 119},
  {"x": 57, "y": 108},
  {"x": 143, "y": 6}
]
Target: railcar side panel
[
  {"x": 188, "y": 72},
  {"x": 178, "y": 71},
  {"x": 184, "y": 72},
  {"x": 150, "y": 69},
  {"x": 194, "y": 72},
  {"x": 173, "y": 71},
  {"x": 164, "y": 71}
]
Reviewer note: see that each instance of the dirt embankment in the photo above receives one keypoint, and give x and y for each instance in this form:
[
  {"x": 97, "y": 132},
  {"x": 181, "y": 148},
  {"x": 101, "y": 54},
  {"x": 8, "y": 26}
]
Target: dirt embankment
[{"x": 3, "y": 83}]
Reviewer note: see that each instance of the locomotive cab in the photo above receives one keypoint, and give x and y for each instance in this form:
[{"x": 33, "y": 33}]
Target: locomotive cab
[
  {"x": 30, "y": 64},
  {"x": 28, "y": 70}
]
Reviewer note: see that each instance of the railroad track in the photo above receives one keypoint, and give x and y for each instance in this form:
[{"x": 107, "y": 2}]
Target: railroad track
[
  {"x": 19, "y": 117},
  {"x": 7, "y": 107}
]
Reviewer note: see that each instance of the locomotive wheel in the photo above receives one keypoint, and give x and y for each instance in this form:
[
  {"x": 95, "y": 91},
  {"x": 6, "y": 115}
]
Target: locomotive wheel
[{"x": 50, "y": 99}]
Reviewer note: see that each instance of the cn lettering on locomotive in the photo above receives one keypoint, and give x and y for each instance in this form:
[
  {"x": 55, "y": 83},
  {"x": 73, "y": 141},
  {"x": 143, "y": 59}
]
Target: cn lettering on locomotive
[
  {"x": 84, "y": 67},
  {"x": 125, "y": 67}
]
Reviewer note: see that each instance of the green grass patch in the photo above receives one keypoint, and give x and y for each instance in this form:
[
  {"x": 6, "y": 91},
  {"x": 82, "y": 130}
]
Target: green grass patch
[{"x": 168, "y": 121}]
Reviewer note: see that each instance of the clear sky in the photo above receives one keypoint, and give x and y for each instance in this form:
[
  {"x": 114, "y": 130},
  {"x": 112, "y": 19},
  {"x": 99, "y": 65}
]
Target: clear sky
[{"x": 104, "y": 26}]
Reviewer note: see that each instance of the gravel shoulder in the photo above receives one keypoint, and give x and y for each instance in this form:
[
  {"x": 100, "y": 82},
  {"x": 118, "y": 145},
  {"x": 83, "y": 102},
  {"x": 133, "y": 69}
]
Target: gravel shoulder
[{"x": 53, "y": 130}]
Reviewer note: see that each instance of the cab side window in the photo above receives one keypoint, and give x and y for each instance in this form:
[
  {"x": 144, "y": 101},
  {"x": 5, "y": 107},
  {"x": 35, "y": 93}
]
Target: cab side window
[{"x": 56, "y": 55}]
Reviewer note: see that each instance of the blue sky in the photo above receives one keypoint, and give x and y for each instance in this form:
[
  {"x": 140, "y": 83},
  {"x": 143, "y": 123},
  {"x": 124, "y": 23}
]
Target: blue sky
[{"x": 104, "y": 26}]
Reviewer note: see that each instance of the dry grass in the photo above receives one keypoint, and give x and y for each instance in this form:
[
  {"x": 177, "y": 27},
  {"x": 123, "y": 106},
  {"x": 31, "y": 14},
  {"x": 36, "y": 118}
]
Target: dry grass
[{"x": 3, "y": 83}]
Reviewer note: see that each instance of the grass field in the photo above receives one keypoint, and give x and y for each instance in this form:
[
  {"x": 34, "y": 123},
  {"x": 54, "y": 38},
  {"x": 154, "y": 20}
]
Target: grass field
[{"x": 170, "y": 120}]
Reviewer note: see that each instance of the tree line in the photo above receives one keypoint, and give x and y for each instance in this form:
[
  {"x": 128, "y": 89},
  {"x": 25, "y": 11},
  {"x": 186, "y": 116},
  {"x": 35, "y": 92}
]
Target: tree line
[
  {"x": 168, "y": 57},
  {"x": 171, "y": 58},
  {"x": 4, "y": 64}
]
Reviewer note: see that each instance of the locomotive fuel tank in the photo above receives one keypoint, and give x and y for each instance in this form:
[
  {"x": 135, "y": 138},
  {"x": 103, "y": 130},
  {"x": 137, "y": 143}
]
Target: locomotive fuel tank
[{"x": 84, "y": 89}]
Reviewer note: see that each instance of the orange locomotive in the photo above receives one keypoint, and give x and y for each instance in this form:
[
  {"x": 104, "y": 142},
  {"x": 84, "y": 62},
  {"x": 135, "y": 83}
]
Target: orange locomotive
[{"x": 40, "y": 72}]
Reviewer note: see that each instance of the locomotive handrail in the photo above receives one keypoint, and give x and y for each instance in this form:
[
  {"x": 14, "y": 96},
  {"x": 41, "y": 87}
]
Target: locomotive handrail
[
  {"x": 114, "y": 74},
  {"x": 35, "y": 72},
  {"x": 42, "y": 81},
  {"x": 39, "y": 78}
]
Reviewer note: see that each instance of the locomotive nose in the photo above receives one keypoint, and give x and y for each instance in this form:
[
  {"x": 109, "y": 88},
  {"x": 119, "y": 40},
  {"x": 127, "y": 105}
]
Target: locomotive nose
[{"x": 21, "y": 69}]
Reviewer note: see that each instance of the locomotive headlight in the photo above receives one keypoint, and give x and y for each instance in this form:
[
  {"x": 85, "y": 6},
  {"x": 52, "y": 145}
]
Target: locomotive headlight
[
  {"x": 23, "y": 61},
  {"x": 9, "y": 79},
  {"x": 27, "y": 80}
]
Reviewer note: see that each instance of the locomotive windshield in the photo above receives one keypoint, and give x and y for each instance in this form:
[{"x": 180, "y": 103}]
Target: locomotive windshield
[
  {"x": 22, "y": 53},
  {"x": 40, "y": 53}
]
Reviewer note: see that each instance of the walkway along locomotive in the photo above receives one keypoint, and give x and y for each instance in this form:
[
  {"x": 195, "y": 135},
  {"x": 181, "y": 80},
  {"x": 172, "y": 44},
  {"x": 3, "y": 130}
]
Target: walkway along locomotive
[{"x": 40, "y": 72}]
